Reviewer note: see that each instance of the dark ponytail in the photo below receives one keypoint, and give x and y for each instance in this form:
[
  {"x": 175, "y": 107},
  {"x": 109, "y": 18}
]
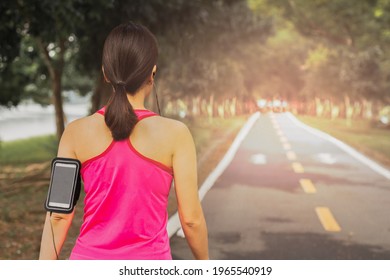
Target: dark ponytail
[
  {"x": 129, "y": 55},
  {"x": 119, "y": 115}
]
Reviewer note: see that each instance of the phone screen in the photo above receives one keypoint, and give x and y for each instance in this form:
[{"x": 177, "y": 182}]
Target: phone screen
[{"x": 63, "y": 183}]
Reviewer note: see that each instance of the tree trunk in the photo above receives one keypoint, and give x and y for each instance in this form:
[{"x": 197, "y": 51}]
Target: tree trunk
[
  {"x": 319, "y": 107},
  {"x": 233, "y": 107},
  {"x": 57, "y": 101},
  {"x": 334, "y": 110},
  {"x": 367, "y": 109},
  {"x": 210, "y": 107},
  {"x": 55, "y": 71},
  {"x": 101, "y": 94},
  {"x": 348, "y": 110},
  {"x": 195, "y": 111}
]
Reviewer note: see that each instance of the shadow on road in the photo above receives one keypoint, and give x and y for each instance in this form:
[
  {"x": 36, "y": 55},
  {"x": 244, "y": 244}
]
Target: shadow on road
[{"x": 301, "y": 246}]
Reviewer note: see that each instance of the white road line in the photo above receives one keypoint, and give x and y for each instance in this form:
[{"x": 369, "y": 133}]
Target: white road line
[
  {"x": 346, "y": 148},
  {"x": 286, "y": 146},
  {"x": 174, "y": 221},
  {"x": 283, "y": 139},
  {"x": 279, "y": 132},
  {"x": 258, "y": 159}
]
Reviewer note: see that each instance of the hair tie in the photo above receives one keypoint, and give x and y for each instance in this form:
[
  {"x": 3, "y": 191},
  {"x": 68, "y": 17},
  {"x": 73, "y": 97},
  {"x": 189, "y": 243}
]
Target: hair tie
[{"x": 121, "y": 84}]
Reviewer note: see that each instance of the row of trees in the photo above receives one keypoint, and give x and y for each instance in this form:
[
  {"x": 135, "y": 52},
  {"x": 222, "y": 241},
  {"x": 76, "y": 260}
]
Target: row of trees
[
  {"x": 48, "y": 46},
  {"x": 328, "y": 53},
  {"x": 297, "y": 50}
]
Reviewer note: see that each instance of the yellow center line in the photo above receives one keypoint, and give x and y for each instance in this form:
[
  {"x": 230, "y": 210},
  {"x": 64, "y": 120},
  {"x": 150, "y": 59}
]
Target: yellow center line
[
  {"x": 327, "y": 219},
  {"x": 307, "y": 185},
  {"x": 291, "y": 155},
  {"x": 297, "y": 167}
]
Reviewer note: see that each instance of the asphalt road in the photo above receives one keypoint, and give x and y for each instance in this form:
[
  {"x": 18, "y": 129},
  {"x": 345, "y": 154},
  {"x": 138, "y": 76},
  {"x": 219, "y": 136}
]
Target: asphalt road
[{"x": 290, "y": 194}]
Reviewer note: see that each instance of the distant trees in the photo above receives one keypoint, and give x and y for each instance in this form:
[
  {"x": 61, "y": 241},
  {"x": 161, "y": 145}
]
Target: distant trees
[
  {"x": 201, "y": 45},
  {"x": 348, "y": 56}
]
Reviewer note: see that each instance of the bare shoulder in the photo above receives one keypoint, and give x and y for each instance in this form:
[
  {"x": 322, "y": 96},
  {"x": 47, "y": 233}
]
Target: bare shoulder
[
  {"x": 176, "y": 127},
  {"x": 81, "y": 125},
  {"x": 181, "y": 136},
  {"x": 169, "y": 132},
  {"x": 74, "y": 131}
]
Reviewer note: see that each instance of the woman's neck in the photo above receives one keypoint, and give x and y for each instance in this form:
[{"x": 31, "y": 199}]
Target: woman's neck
[{"x": 137, "y": 100}]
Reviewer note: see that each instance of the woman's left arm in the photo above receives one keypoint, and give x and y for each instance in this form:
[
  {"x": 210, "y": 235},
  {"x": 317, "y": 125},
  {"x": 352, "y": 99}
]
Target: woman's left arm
[{"x": 57, "y": 225}]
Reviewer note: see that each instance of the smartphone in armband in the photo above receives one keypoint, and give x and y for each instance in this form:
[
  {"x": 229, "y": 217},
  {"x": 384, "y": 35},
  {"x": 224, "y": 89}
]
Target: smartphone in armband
[{"x": 65, "y": 185}]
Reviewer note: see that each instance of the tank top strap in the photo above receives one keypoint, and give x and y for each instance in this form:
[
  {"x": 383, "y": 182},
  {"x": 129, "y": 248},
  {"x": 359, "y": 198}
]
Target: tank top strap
[
  {"x": 141, "y": 113},
  {"x": 101, "y": 111}
]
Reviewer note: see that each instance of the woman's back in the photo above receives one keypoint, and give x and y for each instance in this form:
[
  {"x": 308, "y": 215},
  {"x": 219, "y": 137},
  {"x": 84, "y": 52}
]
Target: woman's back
[
  {"x": 127, "y": 185},
  {"x": 153, "y": 137},
  {"x": 128, "y": 157}
]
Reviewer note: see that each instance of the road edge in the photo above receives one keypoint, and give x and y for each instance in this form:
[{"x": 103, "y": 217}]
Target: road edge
[{"x": 343, "y": 146}]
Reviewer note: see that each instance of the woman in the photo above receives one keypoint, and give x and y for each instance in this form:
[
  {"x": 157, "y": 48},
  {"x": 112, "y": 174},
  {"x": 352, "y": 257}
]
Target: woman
[{"x": 129, "y": 157}]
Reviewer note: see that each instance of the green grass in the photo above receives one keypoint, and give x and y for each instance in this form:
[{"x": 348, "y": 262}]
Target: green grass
[
  {"x": 360, "y": 134},
  {"x": 26, "y": 151}
]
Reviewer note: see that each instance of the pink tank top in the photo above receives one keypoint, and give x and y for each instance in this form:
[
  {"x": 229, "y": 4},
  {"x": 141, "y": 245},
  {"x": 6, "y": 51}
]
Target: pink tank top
[{"x": 125, "y": 212}]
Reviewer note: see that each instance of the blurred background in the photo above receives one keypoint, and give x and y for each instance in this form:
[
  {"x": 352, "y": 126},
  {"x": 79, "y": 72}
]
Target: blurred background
[{"x": 325, "y": 62}]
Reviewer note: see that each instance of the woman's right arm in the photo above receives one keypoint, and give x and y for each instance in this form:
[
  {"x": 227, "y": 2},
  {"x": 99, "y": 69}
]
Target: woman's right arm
[
  {"x": 57, "y": 225},
  {"x": 186, "y": 187}
]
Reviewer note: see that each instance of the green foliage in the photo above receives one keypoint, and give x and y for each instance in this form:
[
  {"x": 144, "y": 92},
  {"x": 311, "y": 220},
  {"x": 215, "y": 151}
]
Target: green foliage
[
  {"x": 350, "y": 54},
  {"x": 200, "y": 42},
  {"x": 9, "y": 39},
  {"x": 279, "y": 64},
  {"x": 209, "y": 53},
  {"x": 33, "y": 30},
  {"x": 25, "y": 77}
]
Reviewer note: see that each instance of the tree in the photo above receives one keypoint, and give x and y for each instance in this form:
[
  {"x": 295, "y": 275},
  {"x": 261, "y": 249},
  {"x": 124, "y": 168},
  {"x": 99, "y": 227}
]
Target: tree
[
  {"x": 50, "y": 26},
  {"x": 10, "y": 91}
]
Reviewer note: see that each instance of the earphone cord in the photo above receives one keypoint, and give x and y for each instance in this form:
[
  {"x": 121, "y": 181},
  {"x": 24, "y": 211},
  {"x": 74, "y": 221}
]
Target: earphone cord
[
  {"x": 158, "y": 104},
  {"x": 52, "y": 233}
]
